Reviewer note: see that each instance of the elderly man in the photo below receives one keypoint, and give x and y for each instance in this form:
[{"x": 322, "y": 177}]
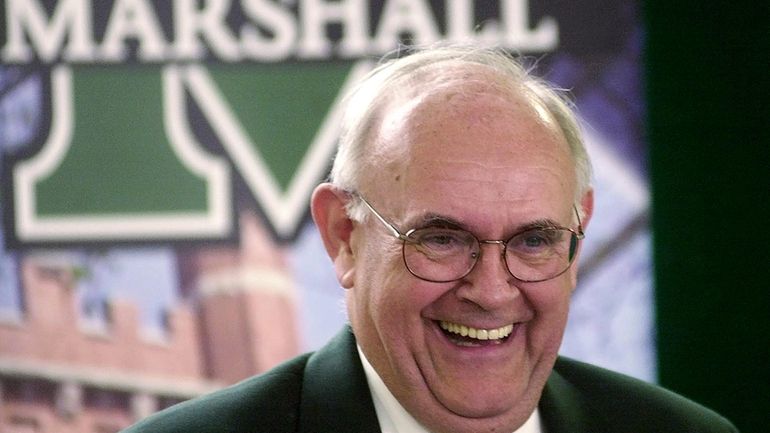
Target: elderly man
[{"x": 458, "y": 199}]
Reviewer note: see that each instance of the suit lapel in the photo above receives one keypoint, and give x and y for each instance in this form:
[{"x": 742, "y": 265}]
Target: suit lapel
[
  {"x": 335, "y": 394},
  {"x": 563, "y": 408}
]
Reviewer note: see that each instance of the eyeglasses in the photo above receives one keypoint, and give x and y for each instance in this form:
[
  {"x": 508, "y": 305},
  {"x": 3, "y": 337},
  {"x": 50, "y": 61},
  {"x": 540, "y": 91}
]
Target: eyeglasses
[{"x": 441, "y": 255}]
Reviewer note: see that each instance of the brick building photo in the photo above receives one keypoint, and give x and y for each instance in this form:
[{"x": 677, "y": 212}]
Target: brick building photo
[{"x": 61, "y": 374}]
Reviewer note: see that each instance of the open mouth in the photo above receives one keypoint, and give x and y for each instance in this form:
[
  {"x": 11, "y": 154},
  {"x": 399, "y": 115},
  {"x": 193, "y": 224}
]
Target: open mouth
[{"x": 468, "y": 336}]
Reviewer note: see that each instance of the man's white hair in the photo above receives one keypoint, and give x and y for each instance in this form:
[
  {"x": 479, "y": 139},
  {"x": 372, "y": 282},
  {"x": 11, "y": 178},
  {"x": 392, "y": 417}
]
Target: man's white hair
[{"x": 425, "y": 67}]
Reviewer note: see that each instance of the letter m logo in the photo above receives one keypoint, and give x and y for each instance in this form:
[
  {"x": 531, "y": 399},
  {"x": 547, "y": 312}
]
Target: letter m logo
[{"x": 167, "y": 152}]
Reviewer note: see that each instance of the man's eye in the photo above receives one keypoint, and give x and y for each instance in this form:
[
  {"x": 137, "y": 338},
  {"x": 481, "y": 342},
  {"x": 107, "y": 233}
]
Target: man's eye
[
  {"x": 534, "y": 240},
  {"x": 441, "y": 239}
]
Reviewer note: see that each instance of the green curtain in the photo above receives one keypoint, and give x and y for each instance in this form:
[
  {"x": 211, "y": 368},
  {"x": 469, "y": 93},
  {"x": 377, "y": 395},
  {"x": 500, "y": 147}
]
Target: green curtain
[{"x": 708, "y": 93}]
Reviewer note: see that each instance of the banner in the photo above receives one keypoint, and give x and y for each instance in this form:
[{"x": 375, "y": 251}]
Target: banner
[{"x": 157, "y": 162}]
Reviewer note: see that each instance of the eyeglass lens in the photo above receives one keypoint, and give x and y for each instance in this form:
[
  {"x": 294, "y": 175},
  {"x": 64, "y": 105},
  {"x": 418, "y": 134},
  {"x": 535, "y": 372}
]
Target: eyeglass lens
[{"x": 442, "y": 255}]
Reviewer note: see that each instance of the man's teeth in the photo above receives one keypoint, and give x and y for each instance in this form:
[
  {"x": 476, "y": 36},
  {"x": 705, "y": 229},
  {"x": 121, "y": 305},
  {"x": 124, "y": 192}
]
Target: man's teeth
[{"x": 479, "y": 334}]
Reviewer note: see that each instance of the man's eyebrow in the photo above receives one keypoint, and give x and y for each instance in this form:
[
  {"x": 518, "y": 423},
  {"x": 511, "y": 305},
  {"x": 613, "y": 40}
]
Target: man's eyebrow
[
  {"x": 544, "y": 223},
  {"x": 443, "y": 221},
  {"x": 438, "y": 220}
]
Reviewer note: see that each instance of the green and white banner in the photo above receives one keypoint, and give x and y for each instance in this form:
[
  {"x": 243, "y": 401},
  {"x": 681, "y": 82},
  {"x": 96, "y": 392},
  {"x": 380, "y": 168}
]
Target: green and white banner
[{"x": 135, "y": 134}]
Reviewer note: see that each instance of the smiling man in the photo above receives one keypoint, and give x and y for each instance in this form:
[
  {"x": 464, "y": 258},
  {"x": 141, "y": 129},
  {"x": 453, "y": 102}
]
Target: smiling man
[{"x": 458, "y": 199}]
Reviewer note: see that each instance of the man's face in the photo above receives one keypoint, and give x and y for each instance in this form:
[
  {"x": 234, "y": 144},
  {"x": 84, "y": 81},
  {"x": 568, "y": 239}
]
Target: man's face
[{"x": 491, "y": 166}]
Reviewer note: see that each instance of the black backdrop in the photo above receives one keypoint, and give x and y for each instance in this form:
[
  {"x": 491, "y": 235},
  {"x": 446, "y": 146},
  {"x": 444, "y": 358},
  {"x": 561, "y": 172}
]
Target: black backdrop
[{"x": 708, "y": 89}]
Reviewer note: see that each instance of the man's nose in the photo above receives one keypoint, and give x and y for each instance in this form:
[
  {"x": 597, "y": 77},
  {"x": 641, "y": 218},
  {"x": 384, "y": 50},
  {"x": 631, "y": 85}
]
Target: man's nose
[{"x": 489, "y": 284}]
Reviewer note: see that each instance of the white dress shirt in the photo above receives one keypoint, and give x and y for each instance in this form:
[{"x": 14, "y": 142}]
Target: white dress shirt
[{"x": 394, "y": 418}]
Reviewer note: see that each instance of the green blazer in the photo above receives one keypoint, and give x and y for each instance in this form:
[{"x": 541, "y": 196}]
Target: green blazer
[{"x": 326, "y": 391}]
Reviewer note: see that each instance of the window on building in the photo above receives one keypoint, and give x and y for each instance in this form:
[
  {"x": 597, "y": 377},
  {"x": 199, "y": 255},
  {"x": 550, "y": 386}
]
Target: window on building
[
  {"x": 11, "y": 295},
  {"x": 22, "y": 424}
]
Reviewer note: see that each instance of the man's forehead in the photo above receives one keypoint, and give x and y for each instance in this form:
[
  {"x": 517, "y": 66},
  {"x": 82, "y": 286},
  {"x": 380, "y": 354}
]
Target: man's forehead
[
  {"x": 461, "y": 117},
  {"x": 448, "y": 90},
  {"x": 461, "y": 130}
]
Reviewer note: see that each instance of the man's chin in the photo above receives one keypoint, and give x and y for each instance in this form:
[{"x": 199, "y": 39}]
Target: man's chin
[
  {"x": 479, "y": 408},
  {"x": 476, "y": 416}
]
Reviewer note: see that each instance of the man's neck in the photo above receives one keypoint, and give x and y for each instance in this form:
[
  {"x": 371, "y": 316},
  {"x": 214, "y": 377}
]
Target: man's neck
[{"x": 393, "y": 418}]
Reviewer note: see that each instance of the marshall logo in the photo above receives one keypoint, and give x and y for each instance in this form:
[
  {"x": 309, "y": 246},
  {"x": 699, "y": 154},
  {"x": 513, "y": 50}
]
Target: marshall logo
[{"x": 153, "y": 111}]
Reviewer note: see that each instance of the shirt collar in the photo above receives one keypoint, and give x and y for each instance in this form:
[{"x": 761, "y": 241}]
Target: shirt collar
[{"x": 394, "y": 418}]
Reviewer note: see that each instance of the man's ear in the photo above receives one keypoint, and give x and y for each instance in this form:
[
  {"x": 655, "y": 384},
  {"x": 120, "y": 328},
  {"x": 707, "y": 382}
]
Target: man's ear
[
  {"x": 587, "y": 207},
  {"x": 328, "y": 208},
  {"x": 586, "y": 212}
]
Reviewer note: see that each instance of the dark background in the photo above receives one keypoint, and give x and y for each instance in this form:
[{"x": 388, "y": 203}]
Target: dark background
[{"x": 708, "y": 90}]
